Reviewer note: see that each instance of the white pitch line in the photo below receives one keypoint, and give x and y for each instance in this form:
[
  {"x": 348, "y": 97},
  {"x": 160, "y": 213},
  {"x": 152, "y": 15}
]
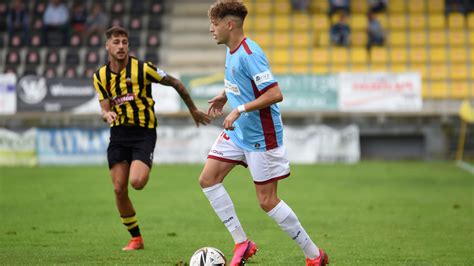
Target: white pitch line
[{"x": 465, "y": 166}]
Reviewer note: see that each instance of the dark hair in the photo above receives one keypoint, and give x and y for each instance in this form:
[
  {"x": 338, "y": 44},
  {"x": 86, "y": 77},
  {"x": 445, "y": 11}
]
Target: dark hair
[
  {"x": 223, "y": 8},
  {"x": 116, "y": 30}
]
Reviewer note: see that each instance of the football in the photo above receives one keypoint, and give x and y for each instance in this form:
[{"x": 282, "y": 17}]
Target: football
[{"x": 208, "y": 256}]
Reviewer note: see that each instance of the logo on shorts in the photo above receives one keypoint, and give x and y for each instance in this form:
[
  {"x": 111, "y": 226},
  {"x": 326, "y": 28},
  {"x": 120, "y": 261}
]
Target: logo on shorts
[
  {"x": 217, "y": 152},
  {"x": 151, "y": 156}
]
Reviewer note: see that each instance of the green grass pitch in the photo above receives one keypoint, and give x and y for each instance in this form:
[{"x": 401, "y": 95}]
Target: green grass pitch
[{"x": 371, "y": 213}]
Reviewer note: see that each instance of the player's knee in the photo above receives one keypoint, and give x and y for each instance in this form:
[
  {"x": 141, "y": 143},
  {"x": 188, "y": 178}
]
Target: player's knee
[
  {"x": 138, "y": 183},
  {"x": 207, "y": 182},
  {"x": 267, "y": 203},
  {"x": 120, "y": 192}
]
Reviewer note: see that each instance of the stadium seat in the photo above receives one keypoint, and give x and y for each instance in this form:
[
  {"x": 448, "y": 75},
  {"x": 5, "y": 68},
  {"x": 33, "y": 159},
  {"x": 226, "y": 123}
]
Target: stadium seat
[
  {"x": 135, "y": 24},
  {"x": 33, "y": 58},
  {"x": 117, "y": 9},
  {"x": 398, "y": 67},
  {"x": 458, "y": 55},
  {"x": 320, "y": 69},
  {"x": 436, "y": 21},
  {"x": 92, "y": 58},
  {"x": 471, "y": 38},
  {"x": 456, "y": 21},
  {"x": 417, "y": 21},
  {"x": 249, "y": 24},
  {"x": 422, "y": 69},
  {"x": 359, "y": 38},
  {"x": 417, "y": 38},
  {"x": 88, "y": 73},
  {"x": 152, "y": 56},
  {"x": 321, "y": 39},
  {"x": 397, "y": 7},
  {"x": 378, "y": 67},
  {"x": 280, "y": 69},
  {"x": 156, "y": 8},
  {"x": 282, "y": 7},
  {"x": 263, "y": 8},
  {"x": 397, "y": 21},
  {"x": 459, "y": 72},
  {"x": 94, "y": 41},
  {"x": 70, "y": 72},
  {"x": 320, "y": 23},
  {"x": 279, "y": 57},
  {"x": 436, "y": 6},
  {"x": 301, "y": 39},
  {"x": 359, "y": 7},
  {"x": 52, "y": 58},
  {"x": 134, "y": 40},
  {"x": 337, "y": 68},
  {"x": 15, "y": 41},
  {"x": 37, "y": 24},
  {"x": 339, "y": 56},
  {"x": 439, "y": 89},
  {"x": 35, "y": 40},
  {"x": 459, "y": 89},
  {"x": 29, "y": 70},
  {"x": 457, "y": 38},
  {"x": 263, "y": 23},
  {"x": 263, "y": 39},
  {"x": 300, "y": 57},
  {"x": 438, "y": 55},
  {"x": 359, "y": 68},
  {"x": 281, "y": 39},
  {"x": 13, "y": 58},
  {"x": 138, "y": 10},
  {"x": 281, "y": 23},
  {"x": 39, "y": 8},
  {"x": 72, "y": 57},
  {"x": 383, "y": 19},
  {"x": 437, "y": 38},
  {"x": 75, "y": 40},
  {"x": 358, "y": 22},
  {"x": 299, "y": 69},
  {"x": 418, "y": 55},
  {"x": 319, "y": 56},
  {"x": 415, "y": 6},
  {"x": 153, "y": 39},
  {"x": 359, "y": 56},
  {"x": 397, "y": 38},
  {"x": 438, "y": 72},
  {"x": 50, "y": 72},
  {"x": 300, "y": 22},
  {"x": 154, "y": 23},
  {"x": 398, "y": 55},
  {"x": 470, "y": 21},
  {"x": 319, "y": 7},
  {"x": 378, "y": 55}
]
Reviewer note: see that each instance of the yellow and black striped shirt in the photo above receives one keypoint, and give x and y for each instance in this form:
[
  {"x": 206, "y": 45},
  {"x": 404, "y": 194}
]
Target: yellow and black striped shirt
[{"x": 129, "y": 92}]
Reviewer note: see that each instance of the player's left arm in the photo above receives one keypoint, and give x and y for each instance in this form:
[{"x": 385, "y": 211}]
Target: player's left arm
[{"x": 198, "y": 116}]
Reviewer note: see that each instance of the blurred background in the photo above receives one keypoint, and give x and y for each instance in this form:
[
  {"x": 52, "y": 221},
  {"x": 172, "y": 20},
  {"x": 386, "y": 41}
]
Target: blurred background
[{"x": 362, "y": 79}]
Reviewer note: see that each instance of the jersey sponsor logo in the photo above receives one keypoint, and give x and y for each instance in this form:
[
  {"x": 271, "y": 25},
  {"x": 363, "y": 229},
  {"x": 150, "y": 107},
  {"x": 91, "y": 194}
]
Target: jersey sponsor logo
[
  {"x": 117, "y": 101},
  {"x": 231, "y": 87},
  {"x": 263, "y": 77}
]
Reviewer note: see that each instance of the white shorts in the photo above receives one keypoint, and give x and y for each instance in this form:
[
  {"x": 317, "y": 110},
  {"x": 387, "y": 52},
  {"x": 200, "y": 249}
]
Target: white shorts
[{"x": 265, "y": 167}]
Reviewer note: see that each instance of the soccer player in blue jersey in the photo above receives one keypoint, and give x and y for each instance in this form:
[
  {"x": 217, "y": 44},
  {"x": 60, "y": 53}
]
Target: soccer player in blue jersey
[{"x": 252, "y": 136}]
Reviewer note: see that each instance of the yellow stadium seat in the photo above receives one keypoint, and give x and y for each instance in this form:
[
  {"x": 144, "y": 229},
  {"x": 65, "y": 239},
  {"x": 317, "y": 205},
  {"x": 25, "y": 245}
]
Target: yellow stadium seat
[
  {"x": 263, "y": 8},
  {"x": 300, "y": 57},
  {"x": 416, "y": 6},
  {"x": 418, "y": 55},
  {"x": 425, "y": 90},
  {"x": 282, "y": 7},
  {"x": 436, "y": 6},
  {"x": 359, "y": 56},
  {"x": 280, "y": 69},
  {"x": 378, "y": 68},
  {"x": 339, "y": 68},
  {"x": 319, "y": 56},
  {"x": 457, "y": 38},
  {"x": 281, "y": 39},
  {"x": 321, "y": 23},
  {"x": 383, "y": 19},
  {"x": 339, "y": 55},
  {"x": 438, "y": 72},
  {"x": 359, "y": 38},
  {"x": 301, "y": 39},
  {"x": 470, "y": 21},
  {"x": 436, "y": 21},
  {"x": 471, "y": 38},
  {"x": 359, "y": 6},
  {"x": 398, "y": 55},
  {"x": 360, "y": 68},
  {"x": 301, "y": 22},
  {"x": 459, "y": 89},
  {"x": 249, "y": 24},
  {"x": 321, "y": 39},
  {"x": 458, "y": 55},
  {"x": 417, "y": 21},
  {"x": 280, "y": 56},
  {"x": 422, "y": 69},
  {"x": 417, "y": 38},
  {"x": 250, "y": 7},
  {"x": 471, "y": 59},
  {"x": 459, "y": 72},
  {"x": 281, "y": 23},
  {"x": 456, "y": 21},
  {"x": 320, "y": 7},
  {"x": 358, "y": 22},
  {"x": 262, "y": 23},
  {"x": 397, "y": 6},
  {"x": 397, "y": 38},
  {"x": 398, "y": 68},
  {"x": 438, "y": 56},
  {"x": 439, "y": 89},
  {"x": 437, "y": 38},
  {"x": 300, "y": 69},
  {"x": 397, "y": 21},
  {"x": 263, "y": 39},
  {"x": 378, "y": 55},
  {"x": 320, "y": 69}
]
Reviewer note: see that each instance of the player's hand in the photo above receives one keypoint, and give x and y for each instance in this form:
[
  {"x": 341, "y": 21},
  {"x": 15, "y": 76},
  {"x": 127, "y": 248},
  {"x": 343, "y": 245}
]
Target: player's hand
[
  {"x": 109, "y": 117},
  {"x": 216, "y": 105},
  {"x": 230, "y": 119},
  {"x": 200, "y": 117}
]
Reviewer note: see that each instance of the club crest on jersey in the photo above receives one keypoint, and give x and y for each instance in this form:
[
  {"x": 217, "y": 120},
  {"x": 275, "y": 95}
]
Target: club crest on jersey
[
  {"x": 263, "y": 77},
  {"x": 119, "y": 100},
  {"x": 231, "y": 87}
]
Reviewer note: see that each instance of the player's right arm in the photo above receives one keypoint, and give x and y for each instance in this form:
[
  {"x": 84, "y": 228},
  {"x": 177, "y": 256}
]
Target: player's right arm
[{"x": 216, "y": 104}]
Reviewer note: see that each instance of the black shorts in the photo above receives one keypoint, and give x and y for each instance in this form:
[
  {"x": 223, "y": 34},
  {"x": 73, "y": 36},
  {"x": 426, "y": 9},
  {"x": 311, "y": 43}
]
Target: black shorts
[{"x": 129, "y": 143}]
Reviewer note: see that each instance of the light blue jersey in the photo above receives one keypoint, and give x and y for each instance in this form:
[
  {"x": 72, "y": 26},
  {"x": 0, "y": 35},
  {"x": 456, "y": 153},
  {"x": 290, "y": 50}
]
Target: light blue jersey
[{"x": 247, "y": 76}]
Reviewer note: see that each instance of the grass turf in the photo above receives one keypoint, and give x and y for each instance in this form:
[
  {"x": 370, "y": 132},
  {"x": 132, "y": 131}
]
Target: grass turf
[{"x": 371, "y": 213}]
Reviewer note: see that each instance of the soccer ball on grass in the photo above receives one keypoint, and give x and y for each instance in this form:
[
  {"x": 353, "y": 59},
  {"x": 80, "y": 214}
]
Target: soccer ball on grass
[{"x": 208, "y": 256}]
